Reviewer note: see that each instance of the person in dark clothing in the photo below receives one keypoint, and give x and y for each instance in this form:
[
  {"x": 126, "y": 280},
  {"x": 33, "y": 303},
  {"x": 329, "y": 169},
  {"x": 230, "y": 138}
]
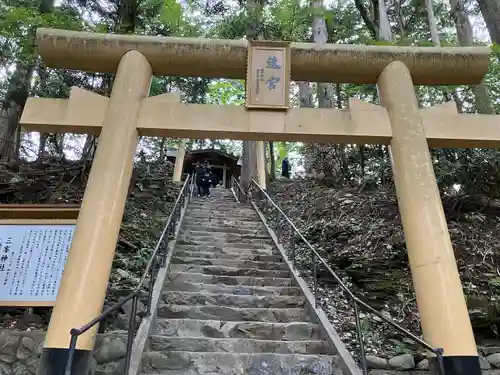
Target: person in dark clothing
[
  {"x": 206, "y": 180},
  {"x": 199, "y": 173},
  {"x": 285, "y": 168}
]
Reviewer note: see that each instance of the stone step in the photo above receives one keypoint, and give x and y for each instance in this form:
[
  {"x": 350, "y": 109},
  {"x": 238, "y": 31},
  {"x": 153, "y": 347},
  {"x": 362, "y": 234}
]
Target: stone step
[
  {"x": 218, "y": 208},
  {"x": 294, "y": 331},
  {"x": 234, "y": 314},
  {"x": 197, "y": 363},
  {"x": 210, "y": 229},
  {"x": 241, "y": 290},
  {"x": 158, "y": 343},
  {"x": 214, "y": 198},
  {"x": 237, "y": 255},
  {"x": 230, "y": 216},
  {"x": 228, "y": 233},
  {"x": 228, "y": 249},
  {"x": 228, "y": 280},
  {"x": 236, "y": 263},
  {"x": 235, "y": 214},
  {"x": 233, "y": 240},
  {"x": 222, "y": 223},
  {"x": 231, "y": 300},
  {"x": 217, "y": 204},
  {"x": 228, "y": 271}
]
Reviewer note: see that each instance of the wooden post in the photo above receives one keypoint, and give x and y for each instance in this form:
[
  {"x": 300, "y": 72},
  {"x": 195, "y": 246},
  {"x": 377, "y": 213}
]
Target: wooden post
[
  {"x": 224, "y": 176},
  {"x": 86, "y": 275},
  {"x": 441, "y": 303},
  {"x": 179, "y": 161}
]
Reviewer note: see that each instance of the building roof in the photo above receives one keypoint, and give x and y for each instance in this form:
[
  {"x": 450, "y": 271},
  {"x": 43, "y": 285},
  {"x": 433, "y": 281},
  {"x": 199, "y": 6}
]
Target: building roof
[
  {"x": 213, "y": 151},
  {"x": 173, "y": 153}
]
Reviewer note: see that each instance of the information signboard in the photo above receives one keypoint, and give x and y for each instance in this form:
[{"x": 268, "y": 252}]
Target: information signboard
[{"x": 32, "y": 259}]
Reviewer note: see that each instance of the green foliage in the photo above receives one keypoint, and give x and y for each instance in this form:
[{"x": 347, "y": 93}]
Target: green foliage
[{"x": 224, "y": 92}]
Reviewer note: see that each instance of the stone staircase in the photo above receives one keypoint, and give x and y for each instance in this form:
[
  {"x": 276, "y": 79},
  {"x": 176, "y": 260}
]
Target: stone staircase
[{"x": 228, "y": 306}]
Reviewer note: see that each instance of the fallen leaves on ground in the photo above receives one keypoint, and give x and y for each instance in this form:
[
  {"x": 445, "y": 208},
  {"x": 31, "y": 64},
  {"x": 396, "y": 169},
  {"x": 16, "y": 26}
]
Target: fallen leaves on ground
[{"x": 361, "y": 237}]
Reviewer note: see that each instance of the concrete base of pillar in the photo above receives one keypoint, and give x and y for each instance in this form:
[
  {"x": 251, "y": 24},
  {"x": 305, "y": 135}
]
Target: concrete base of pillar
[
  {"x": 53, "y": 362},
  {"x": 456, "y": 365}
]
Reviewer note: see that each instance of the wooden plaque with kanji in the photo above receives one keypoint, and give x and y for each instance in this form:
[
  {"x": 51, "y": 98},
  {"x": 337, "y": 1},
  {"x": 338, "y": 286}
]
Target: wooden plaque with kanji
[{"x": 268, "y": 75}]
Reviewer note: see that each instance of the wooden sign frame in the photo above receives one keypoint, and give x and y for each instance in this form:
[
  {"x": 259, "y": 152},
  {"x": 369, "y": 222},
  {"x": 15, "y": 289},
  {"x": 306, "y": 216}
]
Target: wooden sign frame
[
  {"x": 283, "y": 48},
  {"x": 39, "y": 211}
]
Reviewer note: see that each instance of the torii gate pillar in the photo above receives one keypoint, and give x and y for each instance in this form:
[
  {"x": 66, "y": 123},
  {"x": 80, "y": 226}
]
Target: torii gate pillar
[
  {"x": 94, "y": 242},
  {"x": 441, "y": 303},
  {"x": 179, "y": 161}
]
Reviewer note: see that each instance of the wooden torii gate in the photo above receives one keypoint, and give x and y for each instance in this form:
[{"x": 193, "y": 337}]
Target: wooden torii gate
[{"x": 268, "y": 68}]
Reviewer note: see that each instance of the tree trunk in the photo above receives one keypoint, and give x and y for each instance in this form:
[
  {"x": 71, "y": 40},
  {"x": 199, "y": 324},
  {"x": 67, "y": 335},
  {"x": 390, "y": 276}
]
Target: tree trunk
[
  {"x": 306, "y": 101},
  {"x": 384, "y": 27},
  {"x": 44, "y": 78},
  {"x": 432, "y": 23},
  {"x": 127, "y": 16},
  {"x": 490, "y": 9},
  {"x": 18, "y": 89},
  {"x": 15, "y": 99},
  {"x": 305, "y": 95},
  {"x": 367, "y": 18},
  {"x": 465, "y": 38},
  {"x": 254, "y": 30},
  {"x": 43, "y": 143},
  {"x": 272, "y": 158},
  {"x": 89, "y": 147}
]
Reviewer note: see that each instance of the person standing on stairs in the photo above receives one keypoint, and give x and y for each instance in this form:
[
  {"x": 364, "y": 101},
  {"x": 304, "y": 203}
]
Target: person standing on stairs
[
  {"x": 285, "y": 168},
  {"x": 206, "y": 179},
  {"x": 198, "y": 174}
]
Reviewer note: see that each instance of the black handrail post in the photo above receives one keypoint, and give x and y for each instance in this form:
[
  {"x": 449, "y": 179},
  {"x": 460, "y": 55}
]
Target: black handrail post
[
  {"x": 130, "y": 335},
  {"x": 163, "y": 250},
  {"x": 360, "y": 339},
  {"x": 152, "y": 278},
  {"x": 72, "y": 348},
  {"x": 439, "y": 359},
  {"x": 315, "y": 285},
  {"x": 292, "y": 246},
  {"x": 277, "y": 224}
]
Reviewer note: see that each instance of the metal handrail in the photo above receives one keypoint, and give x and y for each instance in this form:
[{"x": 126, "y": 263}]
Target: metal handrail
[
  {"x": 237, "y": 190},
  {"x": 316, "y": 257},
  {"x": 156, "y": 261}
]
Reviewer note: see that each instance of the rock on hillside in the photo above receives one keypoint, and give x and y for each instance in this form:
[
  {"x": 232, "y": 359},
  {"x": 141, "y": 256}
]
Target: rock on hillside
[{"x": 362, "y": 237}]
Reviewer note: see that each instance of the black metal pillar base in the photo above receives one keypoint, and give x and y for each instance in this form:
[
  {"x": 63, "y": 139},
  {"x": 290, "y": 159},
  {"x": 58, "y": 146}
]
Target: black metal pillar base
[
  {"x": 457, "y": 365},
  {"x": 53, "y": 362}
]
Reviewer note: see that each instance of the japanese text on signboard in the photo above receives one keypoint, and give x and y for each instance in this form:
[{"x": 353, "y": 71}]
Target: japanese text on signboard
[{"x": 32, "y": 259}]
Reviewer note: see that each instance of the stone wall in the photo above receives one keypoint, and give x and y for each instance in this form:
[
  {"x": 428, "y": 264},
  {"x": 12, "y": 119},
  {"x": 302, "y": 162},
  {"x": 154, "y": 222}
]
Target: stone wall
[
  {"x": 410, "y": 365},
  {"x": 20, "y": 352}
]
